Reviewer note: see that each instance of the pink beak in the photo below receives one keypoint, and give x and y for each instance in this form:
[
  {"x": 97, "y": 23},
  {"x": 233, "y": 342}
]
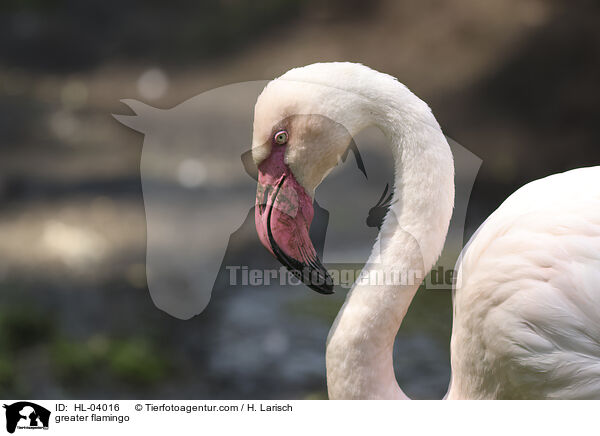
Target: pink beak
[{"x": 283, "y": 215}]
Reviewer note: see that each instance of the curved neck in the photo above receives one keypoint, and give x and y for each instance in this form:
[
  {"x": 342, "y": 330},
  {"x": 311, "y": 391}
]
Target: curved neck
[{"x": 360, "y": 343}]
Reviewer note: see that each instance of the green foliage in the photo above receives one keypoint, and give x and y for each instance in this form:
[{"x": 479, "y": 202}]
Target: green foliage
[
  {"x": 132, "y": 361},
  {"x": 24, "y": 327},
  {"x": 322, "y": 309},
  {"x": 317, "y": 395},
  {"x": 7, "y": 374},
  {"x": 73, "y": 361},
  {"x": 430, "y": 312},
  {"x": 137, "y": 362},
  {"x": 20, "y": 328}
]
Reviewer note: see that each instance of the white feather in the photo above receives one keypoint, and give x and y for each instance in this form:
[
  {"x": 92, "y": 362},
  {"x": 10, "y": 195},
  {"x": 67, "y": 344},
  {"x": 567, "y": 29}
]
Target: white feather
[{"x": 527, "y": 312}]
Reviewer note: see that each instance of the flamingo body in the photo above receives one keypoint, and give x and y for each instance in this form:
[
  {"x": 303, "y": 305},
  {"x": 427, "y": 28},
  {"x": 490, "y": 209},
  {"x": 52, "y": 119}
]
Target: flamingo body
[{"x": 527, "y": 309}]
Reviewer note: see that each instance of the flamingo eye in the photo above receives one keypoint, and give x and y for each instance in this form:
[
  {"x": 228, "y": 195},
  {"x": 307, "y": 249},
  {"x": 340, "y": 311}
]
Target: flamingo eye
[{"x": 281, "y": 137}]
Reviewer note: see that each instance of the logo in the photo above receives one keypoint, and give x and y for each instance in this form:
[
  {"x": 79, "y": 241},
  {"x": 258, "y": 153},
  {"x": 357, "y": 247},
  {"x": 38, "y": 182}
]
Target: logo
[
  {"x": 200, "y": 202},
  {"x": 26, "y": 415}
]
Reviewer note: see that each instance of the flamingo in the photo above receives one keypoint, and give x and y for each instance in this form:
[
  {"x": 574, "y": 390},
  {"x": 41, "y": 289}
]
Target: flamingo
[{"x": 526, "y": 308}]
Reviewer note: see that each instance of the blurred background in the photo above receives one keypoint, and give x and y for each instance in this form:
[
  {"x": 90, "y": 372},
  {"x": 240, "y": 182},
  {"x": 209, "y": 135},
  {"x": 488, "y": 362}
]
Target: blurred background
[{"x": 514, "y": 81}]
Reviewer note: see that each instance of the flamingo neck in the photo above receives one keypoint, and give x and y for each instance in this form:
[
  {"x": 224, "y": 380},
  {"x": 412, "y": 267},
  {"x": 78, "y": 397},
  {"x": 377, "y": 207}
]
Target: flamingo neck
[{"x": 360, "y": 343}]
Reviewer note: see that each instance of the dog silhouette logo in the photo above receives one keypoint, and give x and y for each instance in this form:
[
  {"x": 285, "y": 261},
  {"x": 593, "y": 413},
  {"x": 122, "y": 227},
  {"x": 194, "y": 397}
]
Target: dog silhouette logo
[{"x": 26, "y": 415}]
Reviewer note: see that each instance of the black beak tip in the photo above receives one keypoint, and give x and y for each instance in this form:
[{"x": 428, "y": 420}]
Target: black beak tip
[
  {"x": 319, "y": 279},
  {"x": 325, "y": 289}
]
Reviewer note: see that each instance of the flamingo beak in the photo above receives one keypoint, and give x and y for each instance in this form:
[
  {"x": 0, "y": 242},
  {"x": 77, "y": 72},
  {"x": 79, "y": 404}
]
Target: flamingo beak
[{"x": 282, "y": 216}]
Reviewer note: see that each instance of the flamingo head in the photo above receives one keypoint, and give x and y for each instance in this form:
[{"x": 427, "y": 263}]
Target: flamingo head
[{"x": 300, "y": 135}]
